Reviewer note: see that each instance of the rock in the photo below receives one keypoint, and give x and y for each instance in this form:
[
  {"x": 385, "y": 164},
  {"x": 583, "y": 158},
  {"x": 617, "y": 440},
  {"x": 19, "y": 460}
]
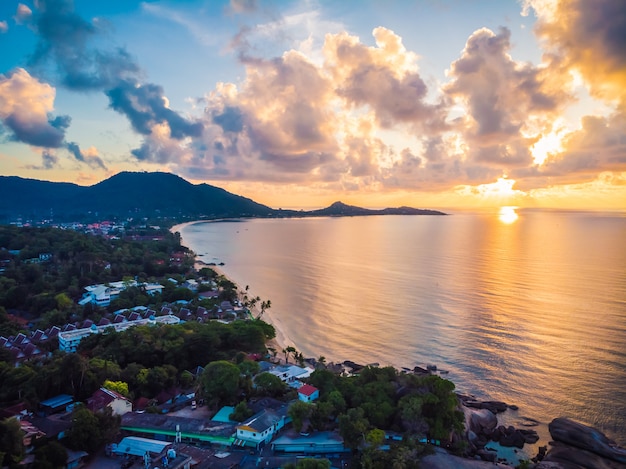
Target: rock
[
  {"x": 420, "y": 371},
  {"x": 512, "y": 438},
  {"x": 487, "y": 455},
  {"x": 540, "y": 454},
  {"x": 513, "y": 407},
  {"x": 569, "y": 457},
  {"x": 530, "y": 436},
  {"x": 483, "y": 420},
  {"x": 493, "y": 406},
  {"x": 587, "y": 438}
]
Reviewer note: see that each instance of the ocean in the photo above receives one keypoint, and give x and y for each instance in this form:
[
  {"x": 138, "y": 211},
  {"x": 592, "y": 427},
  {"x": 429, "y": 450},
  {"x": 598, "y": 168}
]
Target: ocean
[{"x": 528, "y": 310}]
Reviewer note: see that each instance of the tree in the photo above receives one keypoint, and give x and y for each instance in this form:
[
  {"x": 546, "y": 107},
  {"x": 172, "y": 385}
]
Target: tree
[
  {"x": 287, "y": 351},
  {"x": 352, "y": 427},
  {"x": 52, "y": 455},
  {"x": 11, "y": 444},
  {"x": 64, "y": 302},
  {"x": 119, "y": 387},
  {"x": 269, "y": 385},
  {"x": 219, "y": 382},
  {"x": 241, "y": 412},
  {"x": 299, "y": 411},
  {"x": 85, "y": 433}
]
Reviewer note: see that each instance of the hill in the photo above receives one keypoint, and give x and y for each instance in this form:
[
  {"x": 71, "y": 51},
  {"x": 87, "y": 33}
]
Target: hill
[
  {"x": 142, "y": 194},
  {"x": 126, "y": 194}
]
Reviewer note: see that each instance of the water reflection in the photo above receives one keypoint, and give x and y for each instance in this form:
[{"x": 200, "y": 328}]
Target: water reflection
[{"x": 507, "y": 215}]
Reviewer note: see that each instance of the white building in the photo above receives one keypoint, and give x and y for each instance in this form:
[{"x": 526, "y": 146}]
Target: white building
[
  {"x": 291, "y": 373},
  {"x": 69, "y": 340},
  {"x": 259, "y": 429},
  {"x": 103, "y": 294}
]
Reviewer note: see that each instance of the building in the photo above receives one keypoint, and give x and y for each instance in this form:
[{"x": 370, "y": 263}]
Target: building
[
  {"x": 259, "y": 429},
  {"x": 291, "y": 373},
  {"x": 103, "y": 398},
  {"x": 315, "y": 443},
  {"x": 69, "y": 340},
  {"x": 56, "y": 404},
  {"x": 103, "y": 294},
  {"x": 308, "y": 393},
  {"x": 169, "y": 427}
]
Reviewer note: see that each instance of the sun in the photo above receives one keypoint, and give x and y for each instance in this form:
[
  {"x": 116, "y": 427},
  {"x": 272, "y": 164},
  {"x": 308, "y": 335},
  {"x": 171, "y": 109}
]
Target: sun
[{"x": 507, "y": 215}]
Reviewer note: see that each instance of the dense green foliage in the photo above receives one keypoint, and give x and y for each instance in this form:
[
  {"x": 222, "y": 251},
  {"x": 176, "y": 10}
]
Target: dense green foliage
[
  {"x": 382, "y": 398},
  {"x": 149, "y": 359},
  {"x": 11, "y": 448},
  {"x": 52, "y": 286}
]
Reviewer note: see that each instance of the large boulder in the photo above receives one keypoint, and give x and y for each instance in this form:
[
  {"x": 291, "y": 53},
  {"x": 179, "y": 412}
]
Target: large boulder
[
  {"x": 483, "y": 421},
  {"x": 587, "y": 438},
  {"x": 562, "y": 456}
]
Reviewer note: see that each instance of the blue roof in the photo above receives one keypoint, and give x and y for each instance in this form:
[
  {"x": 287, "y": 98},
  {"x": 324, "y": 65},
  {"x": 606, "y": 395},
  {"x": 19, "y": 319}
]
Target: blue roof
[
  {"x": 224, "y": 414},
  {"x": 57, "y": 401}
]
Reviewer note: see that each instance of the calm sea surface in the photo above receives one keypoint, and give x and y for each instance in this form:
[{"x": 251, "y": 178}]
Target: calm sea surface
[{"x": 531, "y": 312}]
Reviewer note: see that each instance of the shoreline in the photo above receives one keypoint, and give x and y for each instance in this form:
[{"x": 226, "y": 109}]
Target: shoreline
[{"x": 281, "y": 340}]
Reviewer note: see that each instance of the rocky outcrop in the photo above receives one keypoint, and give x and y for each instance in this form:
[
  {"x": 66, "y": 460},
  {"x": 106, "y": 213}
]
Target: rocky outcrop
[{"x": 577, "y": 446}]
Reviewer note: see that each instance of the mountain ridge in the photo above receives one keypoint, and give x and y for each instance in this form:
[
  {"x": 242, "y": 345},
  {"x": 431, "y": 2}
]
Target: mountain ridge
[{"x": 149, "y": 194}]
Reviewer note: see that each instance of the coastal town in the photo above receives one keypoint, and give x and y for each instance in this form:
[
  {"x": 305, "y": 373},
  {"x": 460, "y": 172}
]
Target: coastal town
[{"x": 177, "y": 370}]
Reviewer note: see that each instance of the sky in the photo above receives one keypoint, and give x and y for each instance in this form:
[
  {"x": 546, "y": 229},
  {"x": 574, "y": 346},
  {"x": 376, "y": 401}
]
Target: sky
[{"x": 297, "y": 104}]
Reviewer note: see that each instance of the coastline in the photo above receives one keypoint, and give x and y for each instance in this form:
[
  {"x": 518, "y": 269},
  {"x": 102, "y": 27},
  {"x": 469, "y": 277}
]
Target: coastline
[{"x": 281, "y": 340}]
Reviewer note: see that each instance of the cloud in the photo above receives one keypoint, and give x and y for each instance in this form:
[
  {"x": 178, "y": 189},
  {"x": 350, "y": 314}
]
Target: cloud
[
  {"x": 4, "y": 27},
  {"x": 588, "y": 37},
  {"x": 145, "y": 106},
  {"x": 502, "y": 97},
  {"x": 90, "y": 156},
  {"x": 384, "y": 77},
  {"x": 25, "y": 107},
  {"x": 48, "y": 161},
  {"x": 23, "y": 14},
  {"x": 64, "y": 37},
  {"x": 598, "y": 146}
]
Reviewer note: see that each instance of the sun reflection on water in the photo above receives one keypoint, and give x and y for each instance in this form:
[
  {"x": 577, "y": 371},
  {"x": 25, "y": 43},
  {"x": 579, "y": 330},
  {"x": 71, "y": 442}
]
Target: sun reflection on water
[{"x": 507, "y": 215}]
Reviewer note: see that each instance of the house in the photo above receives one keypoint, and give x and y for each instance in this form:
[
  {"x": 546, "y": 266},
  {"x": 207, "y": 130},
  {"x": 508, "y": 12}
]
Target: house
[
  {"x": 103, "y": 398},
  {"x": 291, "y": 373},
  {"x": 259, "y": 429},
  {"x": 191, "y": 284},
  {"x": 308, "y": 393}
]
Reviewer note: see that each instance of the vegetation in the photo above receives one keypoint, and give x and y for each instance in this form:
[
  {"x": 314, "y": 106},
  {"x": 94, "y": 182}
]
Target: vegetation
[{"x": 49, "y": 288}]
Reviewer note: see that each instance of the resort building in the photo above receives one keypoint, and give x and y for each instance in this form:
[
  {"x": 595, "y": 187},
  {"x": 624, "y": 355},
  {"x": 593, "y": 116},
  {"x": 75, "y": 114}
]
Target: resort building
[
  {"x": 291, "y": 373},
  {"x": 103, "y": 294},
  {"x": 69, "y": 340}
]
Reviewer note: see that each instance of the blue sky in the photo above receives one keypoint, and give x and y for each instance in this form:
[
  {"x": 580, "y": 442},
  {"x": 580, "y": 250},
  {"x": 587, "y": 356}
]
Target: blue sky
[{"x": 438, "y": 103}]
